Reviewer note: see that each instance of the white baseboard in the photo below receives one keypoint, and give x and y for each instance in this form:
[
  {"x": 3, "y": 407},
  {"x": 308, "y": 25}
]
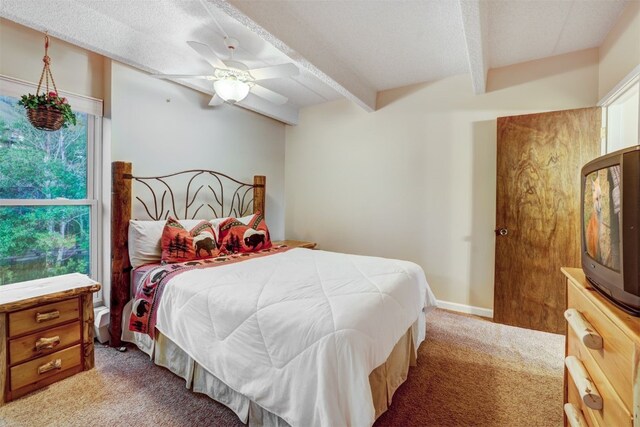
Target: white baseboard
[{"x": 468, "y": 309}]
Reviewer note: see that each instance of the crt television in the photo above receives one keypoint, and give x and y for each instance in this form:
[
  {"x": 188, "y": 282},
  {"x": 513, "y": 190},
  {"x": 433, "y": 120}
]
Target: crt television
[{"x": 611, "y": 227}]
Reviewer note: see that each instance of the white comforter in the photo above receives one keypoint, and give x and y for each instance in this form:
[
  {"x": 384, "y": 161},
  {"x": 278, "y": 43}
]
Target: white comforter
[{"x": 297, "y": 332}]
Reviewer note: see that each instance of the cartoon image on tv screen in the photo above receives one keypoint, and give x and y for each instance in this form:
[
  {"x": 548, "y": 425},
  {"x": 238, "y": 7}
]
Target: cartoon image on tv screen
[{"x": 602, "y": 216}]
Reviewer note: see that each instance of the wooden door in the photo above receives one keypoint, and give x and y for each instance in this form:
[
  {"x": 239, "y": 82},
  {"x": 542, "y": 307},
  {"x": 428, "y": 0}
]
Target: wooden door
[{"x": 538, "y": 212}]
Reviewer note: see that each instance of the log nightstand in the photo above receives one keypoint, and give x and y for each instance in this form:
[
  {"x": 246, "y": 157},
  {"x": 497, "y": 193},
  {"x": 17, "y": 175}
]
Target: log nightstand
[
  {"x": 46, "y": 332},
  {"x": 296, "y": 244}
]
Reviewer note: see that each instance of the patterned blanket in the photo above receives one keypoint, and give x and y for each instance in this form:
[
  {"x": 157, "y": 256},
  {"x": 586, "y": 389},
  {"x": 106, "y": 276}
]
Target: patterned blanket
[{"x": 149, "y": 290}]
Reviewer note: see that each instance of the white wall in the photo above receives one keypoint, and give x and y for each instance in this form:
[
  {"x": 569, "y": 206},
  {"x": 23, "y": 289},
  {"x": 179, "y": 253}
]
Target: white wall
[
  {"x": 74, "y": 69},
  {"x": 416, "y": 179},
  {"x": 619, "y": 56},
  {"x": 162, "y": 127},
  {"x": 620, "y": 51}
]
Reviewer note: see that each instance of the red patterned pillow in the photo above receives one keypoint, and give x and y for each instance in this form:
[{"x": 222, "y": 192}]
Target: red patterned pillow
[
  {"x": 234, "y": 236},
  {"x": 179, "y": 244}
]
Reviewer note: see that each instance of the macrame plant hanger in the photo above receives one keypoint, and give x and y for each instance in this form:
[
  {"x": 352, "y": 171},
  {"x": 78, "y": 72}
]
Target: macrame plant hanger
[
  {"x": 43, "y": 117},
  {"x": 46, "y": 69}
]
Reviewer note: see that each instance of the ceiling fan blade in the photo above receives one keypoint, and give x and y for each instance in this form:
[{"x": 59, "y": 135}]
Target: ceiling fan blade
[
  {"x": 269, "y": 95},
  {"x": 274, "y": 72},
  {"x": 182, "y": 76},
  {"x": 207, "y": 53},
  {"x": 215, "y": 101}
]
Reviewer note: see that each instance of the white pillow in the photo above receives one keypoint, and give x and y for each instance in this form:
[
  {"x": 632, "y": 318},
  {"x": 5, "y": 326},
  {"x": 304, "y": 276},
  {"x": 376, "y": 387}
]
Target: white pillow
[
  {"x": 145, "y": 236},
  {"x": 144, "y": 240}
]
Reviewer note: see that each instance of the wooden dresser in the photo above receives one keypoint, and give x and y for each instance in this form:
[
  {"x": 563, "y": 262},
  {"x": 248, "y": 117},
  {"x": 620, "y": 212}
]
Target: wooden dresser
[
  {"x": 46, "y": 332},
  {"x": 602, "y": 364}
]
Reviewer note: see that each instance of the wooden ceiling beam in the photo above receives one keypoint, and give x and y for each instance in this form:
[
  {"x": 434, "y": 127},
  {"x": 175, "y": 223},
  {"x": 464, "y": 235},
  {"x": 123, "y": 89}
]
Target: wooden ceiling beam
[{"x": 324, "y": 67}]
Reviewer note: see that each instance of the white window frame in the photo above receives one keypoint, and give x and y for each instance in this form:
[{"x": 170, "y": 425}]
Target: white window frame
[
  {"x": 630, "y": 81},
  {"x": 10, "y": 86}
]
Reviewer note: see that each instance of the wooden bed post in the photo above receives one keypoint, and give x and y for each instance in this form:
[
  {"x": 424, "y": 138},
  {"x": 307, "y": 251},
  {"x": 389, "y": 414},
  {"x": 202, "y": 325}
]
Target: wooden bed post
[
  {"x": 259, "y": 183},
  {"x": 120, "y": 265}
]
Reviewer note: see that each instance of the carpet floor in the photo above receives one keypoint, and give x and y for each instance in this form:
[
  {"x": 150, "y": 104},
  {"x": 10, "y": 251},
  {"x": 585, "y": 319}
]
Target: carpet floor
[{"x": 471, "y": 372}]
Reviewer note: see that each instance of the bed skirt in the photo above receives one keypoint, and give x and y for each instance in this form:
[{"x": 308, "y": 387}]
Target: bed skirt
[{"x": 384, "y": 380}]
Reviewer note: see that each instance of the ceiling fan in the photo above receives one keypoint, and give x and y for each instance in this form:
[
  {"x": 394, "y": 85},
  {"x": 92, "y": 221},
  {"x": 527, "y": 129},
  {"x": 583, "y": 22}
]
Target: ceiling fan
[{"x": 232, "y": 81}]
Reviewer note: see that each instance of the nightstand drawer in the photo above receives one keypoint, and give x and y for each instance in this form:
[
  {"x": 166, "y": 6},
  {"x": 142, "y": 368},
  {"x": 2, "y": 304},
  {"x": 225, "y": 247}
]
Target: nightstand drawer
[
  {"x": 45, "y": 366},
  {"x": 616, "y": 356},
  {"x": 44, "y": 316},
  {"x": 43, "y": 342}
]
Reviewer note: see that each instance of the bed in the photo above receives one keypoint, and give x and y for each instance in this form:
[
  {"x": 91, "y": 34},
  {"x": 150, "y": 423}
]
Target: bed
[{"x": 283, "y": 336}]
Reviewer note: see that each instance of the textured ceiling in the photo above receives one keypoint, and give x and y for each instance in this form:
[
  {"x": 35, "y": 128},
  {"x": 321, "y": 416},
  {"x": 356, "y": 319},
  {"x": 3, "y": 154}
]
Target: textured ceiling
[
  {"x": 525, "y": 30},
  {"x": 396, "y": 43},
  {"x": 343, "y": 48},
  {"x": 175, "y": 22},
  {"x": 387, "y": 43}
]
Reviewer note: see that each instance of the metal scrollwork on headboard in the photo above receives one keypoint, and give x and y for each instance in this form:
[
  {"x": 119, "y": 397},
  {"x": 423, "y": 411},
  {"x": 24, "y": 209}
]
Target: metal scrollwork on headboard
[
  {"x": 161, "y": 198},
  {"x": 203, "y": 193}
]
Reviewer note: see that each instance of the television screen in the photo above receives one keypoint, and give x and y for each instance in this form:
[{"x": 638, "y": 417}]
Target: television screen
[{"x": 602, "y": 212}]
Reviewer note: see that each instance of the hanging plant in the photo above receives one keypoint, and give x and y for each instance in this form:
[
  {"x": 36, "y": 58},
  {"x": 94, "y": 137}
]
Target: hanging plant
[{"x": 47, "y": 110}]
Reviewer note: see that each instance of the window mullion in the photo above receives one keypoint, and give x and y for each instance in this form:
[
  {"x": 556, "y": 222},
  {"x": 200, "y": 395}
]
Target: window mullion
[
  {"x": 90, "y": 158},
  {"x": 47, "y": 202}
]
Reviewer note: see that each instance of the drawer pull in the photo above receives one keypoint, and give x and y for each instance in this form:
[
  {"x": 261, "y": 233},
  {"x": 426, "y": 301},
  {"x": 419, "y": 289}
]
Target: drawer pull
[
  {"x": 574, "y": 416},
  {"x": 47, "y": 343},
  {"x": 583, "y": 329},
  {"x": 50, "y": 315},
  {"x": 54, "y": 364},
  {"x": 586, "y": 387}
]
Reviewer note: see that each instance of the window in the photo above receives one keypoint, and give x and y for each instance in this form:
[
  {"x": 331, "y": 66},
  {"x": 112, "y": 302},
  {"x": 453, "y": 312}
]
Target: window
[
  {"x": 49, "y": 191},
  {"x": 621, "y": 114}
]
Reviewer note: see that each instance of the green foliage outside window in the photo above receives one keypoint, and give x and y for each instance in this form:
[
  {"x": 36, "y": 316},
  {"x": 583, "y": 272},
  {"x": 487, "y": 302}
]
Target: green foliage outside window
[{"x": 42, "y": 241}]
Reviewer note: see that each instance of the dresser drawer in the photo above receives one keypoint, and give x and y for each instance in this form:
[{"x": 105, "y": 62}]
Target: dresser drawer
[
  {"x": 45, "y": 366},
  {"x": 616, "y": 356},
  {"x": 43, "y": 342},
  {"x": 573, "y": 397},
  {"x": 43, "y": 316},
  {"x": 613, "y": 412}
]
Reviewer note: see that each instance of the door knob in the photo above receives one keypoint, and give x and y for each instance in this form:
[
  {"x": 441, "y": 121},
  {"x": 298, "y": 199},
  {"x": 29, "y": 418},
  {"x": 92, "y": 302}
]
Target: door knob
[{"x": 501, "y": 231}]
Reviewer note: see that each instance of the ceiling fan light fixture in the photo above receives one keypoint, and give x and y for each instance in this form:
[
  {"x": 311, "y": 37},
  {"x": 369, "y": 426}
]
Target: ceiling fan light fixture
[
  {"x": 231, "y": 90},
  {"x": 232, "y": 80}
]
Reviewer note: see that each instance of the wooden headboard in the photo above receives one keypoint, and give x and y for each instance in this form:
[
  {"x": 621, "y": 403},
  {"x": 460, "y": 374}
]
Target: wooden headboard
[{"x": 202, "y": 194}]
